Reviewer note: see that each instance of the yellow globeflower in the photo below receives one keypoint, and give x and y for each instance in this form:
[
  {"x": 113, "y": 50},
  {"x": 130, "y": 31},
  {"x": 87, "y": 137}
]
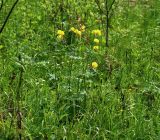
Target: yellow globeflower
[
  {"x": 79, "y": 33},
  {"x": 97, "y": 32},
  {"x": 60, "y": 37},
  {"x": 60, "y": 32},
  {"x": 83, "y": 28},
  {"x": 94, "y": 65},
  {"x": 96, "y": 41},
  {"x": 76, "y": 31},
  {"x": 72, "y": 29},
  {"x": 95, "y": 48}
]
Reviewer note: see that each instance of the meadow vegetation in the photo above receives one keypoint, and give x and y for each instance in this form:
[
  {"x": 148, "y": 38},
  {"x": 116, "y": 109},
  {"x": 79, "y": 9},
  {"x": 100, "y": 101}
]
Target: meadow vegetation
[{"x": 74, "y": 69}]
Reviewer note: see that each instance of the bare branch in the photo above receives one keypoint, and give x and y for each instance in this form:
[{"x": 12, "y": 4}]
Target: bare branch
[
  {"x": 99, "y": 7},
  {"x": 112, "y": 4},
  {"x": 1, "y": 5},
  {"x": 7, "y": 18}
]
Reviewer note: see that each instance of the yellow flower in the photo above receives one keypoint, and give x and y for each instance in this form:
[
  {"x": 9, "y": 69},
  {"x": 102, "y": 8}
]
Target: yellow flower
[
  {"x": 72, "y": 29},
  {"x": 96, "y": 41},
  {"x": 79, "y": 33},
  {"x": 76, "y": 31},
  {"x": 95, "y": 48},
  {"x": 82, "y": 28},
  {"x": 97, "y": 32},
  {"x": 94, "y": 65},
  {"x": 60, "y": 32},
  {"x": 60, "y": 37}
]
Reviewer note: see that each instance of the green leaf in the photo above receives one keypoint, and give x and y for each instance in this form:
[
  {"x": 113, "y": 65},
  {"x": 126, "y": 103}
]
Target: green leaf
[{"x": 1, "y": 47}]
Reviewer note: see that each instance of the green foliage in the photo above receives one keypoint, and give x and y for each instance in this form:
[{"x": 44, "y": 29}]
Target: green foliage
[{"x": 49, "y": 88}]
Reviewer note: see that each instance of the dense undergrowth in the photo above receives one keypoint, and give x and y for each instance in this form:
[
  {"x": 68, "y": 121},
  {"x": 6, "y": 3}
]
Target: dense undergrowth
[{"x": 58, "y": 80}]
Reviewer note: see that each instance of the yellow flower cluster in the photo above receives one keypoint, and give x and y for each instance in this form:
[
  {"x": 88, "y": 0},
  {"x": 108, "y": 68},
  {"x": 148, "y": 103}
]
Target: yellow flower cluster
[
  {"x": 60, "y": 34},
  {"x": 94, "y": 64},
  {"x": 76, "y": 31},
  {"x": 97, "y": 32}
]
